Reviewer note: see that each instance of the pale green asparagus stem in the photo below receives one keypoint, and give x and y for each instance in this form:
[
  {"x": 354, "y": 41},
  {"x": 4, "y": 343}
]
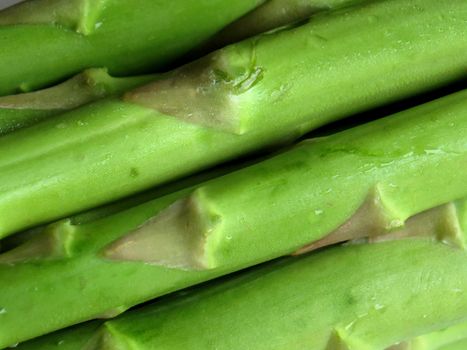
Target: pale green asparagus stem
[
  {"x": 394, "y": 168},
  {"x": 239, "y": 99},
  {"x": 364, "y": 297}
]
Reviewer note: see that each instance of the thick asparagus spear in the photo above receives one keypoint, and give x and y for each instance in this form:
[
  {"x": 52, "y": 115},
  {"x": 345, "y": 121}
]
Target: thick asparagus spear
[
  {"x": 395, "y": 167},
  {"x": 22, "y": 110},
  {"x": 354, "y": 297},
  {"x": 44, "y": 41},
  {"x": 239, "y": 99},
  {"x": 433, "y": 223},
  {"x": 17, "y": 111}
]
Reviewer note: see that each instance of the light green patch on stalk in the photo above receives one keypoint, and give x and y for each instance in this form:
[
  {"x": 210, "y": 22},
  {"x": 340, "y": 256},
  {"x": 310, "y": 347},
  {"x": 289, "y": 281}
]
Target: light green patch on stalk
[
  {"x": 181, "y": 236},
  {"x": 79, "y": 15},
  {"x": 205, "y": 92},
  {"x": 55, "y": 242}
]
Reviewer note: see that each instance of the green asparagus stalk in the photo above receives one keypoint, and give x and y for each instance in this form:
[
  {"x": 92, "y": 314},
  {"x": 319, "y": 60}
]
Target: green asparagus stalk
[
  {"x": 364, "y": 297},
  {"x": 17, "y": 111},
  {"x": 429, "y": 224},
  {"x": 45, "y": 41},
  {"x": 271, "y": 15},
  {"x": 239, "y": 99},
  {"x": 394, "y": 169},
  {"x": 22, "y": 110}
]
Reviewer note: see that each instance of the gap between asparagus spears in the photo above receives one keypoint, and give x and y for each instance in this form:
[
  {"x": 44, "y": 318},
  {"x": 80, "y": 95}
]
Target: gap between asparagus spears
[
  {"x": 17, "y": 111},
  {"x": 395, "y": 167},
  {"x": 239, "y": 99},
  {"x": 363, "y": 297},
  {"x": 45, "y": 41},
  {"x": 22, "y": 110}
]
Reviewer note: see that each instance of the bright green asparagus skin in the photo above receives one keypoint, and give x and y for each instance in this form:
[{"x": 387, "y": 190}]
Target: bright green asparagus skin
[
  {"x": 239, "y": 99},
  {"x": 22, "y": 110},
  {"x": 364, "y": 297},
  {"x": 364, "y": 181},
  {"x": 45, "y": 41},
  {"x": 430, "y": 224}
]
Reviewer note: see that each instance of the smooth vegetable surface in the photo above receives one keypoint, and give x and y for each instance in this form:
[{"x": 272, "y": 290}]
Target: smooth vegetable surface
[
  {"x": 46, "y": 41},
  {"x": 239, "y": 99},
  {"x": 391, "y": 169}
]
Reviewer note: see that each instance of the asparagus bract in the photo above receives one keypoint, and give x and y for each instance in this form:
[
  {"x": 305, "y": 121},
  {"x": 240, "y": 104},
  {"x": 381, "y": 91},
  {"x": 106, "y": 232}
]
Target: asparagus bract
[
  {"x": 239, "y": 99},
  {"x": 22, "y": 110},
  {"x": 45, "y": 41},
  {"x": 401, "y": 165},
  {"x": 354, "y": 297}
]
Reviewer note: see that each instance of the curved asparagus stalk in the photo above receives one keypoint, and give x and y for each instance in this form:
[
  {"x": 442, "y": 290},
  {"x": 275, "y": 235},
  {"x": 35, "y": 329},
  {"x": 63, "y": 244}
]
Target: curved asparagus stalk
[
  {"x": 239, "y": 99},
  {"x": 354, "y": 297},
  {"x": 45, "y": 41},
  {"x": 22, "y": 110},
  {"x": 403, "y": 165}
]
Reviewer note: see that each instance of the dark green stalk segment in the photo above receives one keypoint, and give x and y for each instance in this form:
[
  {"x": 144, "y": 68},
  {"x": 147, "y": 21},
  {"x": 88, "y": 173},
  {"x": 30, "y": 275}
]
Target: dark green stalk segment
[
  {"x": 45, "y": 41},
  {"x": 22, "y": 110},
  {"x": 240, "y": 99},
  {"x": 355, "y": 297},
  {"x": 412, "y": 161}
]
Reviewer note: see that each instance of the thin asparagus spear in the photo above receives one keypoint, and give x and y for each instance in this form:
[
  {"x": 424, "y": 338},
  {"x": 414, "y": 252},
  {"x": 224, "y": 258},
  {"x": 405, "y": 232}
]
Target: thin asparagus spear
[
  {"x": 45, "y": 41},
  {"x": 388, "y": 170},
  {"x": 364, "y": 297},
  {"x": 239, "y": 99},
  {"x": 22, "y": 110}
]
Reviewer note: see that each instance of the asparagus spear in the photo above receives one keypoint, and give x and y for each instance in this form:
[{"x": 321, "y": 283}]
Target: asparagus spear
[
  {"x": 354, "y": 297},
  {"x": 45, "y": 41},
  {"x": 17, "y": 111},
  {"x": 239, "y": 99},
  {"x": 428, "y": 224},
  {"x": 395, "y": 167},
  {"x": 22, "y": 110},
  {"x": 269, "y": 16}
]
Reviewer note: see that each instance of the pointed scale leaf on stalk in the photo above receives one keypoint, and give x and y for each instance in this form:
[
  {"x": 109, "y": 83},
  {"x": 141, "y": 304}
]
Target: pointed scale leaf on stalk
[
  {"x": 406, "y": 163},
  {"x": 238, "y": 100}
]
